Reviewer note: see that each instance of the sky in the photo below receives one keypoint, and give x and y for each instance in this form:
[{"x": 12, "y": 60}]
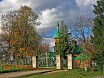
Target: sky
[{"x": 67, "y": 10}]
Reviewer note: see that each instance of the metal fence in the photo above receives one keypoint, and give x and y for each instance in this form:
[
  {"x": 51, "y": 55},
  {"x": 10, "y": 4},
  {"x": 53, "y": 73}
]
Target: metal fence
[
  {"x": 46, "y": 61},
  {"x": 7, "y": 64}
]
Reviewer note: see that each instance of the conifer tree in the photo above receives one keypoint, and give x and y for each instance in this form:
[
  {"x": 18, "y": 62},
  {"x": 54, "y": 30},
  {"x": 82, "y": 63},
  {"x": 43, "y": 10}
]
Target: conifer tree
[
  {"x": 98, "y": 32},
  {"x": 64, "y": 45}
]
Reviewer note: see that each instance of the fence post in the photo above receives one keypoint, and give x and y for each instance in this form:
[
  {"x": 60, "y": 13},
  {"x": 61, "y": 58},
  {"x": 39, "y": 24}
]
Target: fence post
[
  {"x": 46, "y": 60},
  {"x": 85, "y": 67},
  {"x": 34, "y": 61},
  {"x": 70, "y": 62},
  {"x": 58, "y": 62}
]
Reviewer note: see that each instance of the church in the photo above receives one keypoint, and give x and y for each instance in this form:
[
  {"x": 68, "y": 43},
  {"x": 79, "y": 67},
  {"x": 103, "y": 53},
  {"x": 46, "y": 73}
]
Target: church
[{"x": 80, "y": 59}]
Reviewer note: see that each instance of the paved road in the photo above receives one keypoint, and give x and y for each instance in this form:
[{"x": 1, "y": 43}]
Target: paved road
[{"x": 21, "y": 73}]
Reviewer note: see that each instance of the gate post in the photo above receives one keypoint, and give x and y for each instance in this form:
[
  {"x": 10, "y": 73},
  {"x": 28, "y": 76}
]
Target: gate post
[
  {"x": 70, "y": 61},
  {"x": 58, "y": 62},
  {"x": 34, "y": 61}
]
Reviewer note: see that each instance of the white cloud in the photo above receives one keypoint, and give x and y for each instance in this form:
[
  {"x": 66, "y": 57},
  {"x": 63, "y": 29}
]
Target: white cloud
[
  {"x": 7, "y": 5},
  {"x": 83, "y": 2},
  {"x": 48, "y": 18}
]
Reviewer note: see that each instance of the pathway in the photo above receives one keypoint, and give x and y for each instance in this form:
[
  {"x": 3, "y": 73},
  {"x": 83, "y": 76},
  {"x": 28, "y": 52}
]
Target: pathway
[{"x": 22, "y": 73}]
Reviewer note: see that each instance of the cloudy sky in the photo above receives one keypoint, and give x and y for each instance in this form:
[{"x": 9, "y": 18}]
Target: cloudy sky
[{"x": 67, "y": 10}]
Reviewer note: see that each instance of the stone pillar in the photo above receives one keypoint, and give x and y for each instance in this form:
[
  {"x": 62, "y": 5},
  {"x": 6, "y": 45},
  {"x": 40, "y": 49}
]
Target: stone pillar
[
  {"x": 70, "y": 61},
  {"x": 58, "y": 62},
  {"x": 85, "y": 67},
  {"x": 34, "y": 61}
]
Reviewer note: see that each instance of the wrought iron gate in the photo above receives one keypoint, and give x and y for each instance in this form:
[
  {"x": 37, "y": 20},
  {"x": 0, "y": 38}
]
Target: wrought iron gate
[
  {"x": 64, "y": 63},
  {"x": 46, "y": 61}
]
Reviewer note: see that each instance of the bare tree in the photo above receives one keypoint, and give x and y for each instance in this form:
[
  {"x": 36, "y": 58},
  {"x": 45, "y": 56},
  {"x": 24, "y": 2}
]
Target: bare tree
[{"x": 82, "y": 32}]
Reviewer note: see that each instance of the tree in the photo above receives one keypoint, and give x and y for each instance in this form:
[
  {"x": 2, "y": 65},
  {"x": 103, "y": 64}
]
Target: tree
[
  {"x": 82, "y": 31},
  {"x": 98, "y": 33},
  {"x": 62, "y": 45},
  {"x": 18, "y": 27},
  {"x": 44, "y": 48},
  {"x": 64, "y": 39}
]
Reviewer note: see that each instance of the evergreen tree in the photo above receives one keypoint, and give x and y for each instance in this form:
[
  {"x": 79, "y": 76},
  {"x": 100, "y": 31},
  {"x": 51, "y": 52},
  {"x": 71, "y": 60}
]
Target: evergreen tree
[
  {"x": 62, "y": 45},
  {"x": 64, "y": 39},
  {"x": 98, "y": 32}
]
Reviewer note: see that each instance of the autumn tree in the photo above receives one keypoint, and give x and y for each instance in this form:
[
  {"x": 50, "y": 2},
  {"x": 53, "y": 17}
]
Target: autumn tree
[
  {"x": 18, "y": 27},
  {"x": 43, "y": 48}
]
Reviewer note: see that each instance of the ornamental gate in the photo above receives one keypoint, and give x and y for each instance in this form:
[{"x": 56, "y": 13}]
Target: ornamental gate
[
  {"x": 46, "y": 60},
  {"x": 64, "y": 63}
]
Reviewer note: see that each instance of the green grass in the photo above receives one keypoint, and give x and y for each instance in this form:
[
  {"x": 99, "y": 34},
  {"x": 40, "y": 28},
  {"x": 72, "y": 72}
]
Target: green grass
[{"x": 75, "y": 73}]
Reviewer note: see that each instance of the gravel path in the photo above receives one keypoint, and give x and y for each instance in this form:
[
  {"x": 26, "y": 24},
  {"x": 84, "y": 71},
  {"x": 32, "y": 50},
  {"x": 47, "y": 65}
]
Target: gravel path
[{"x": 21, "y": 73}]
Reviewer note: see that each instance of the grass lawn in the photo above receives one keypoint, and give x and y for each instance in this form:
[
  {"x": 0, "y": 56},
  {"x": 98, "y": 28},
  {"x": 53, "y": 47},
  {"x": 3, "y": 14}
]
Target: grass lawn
[{"x": 75, "y": 73}]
